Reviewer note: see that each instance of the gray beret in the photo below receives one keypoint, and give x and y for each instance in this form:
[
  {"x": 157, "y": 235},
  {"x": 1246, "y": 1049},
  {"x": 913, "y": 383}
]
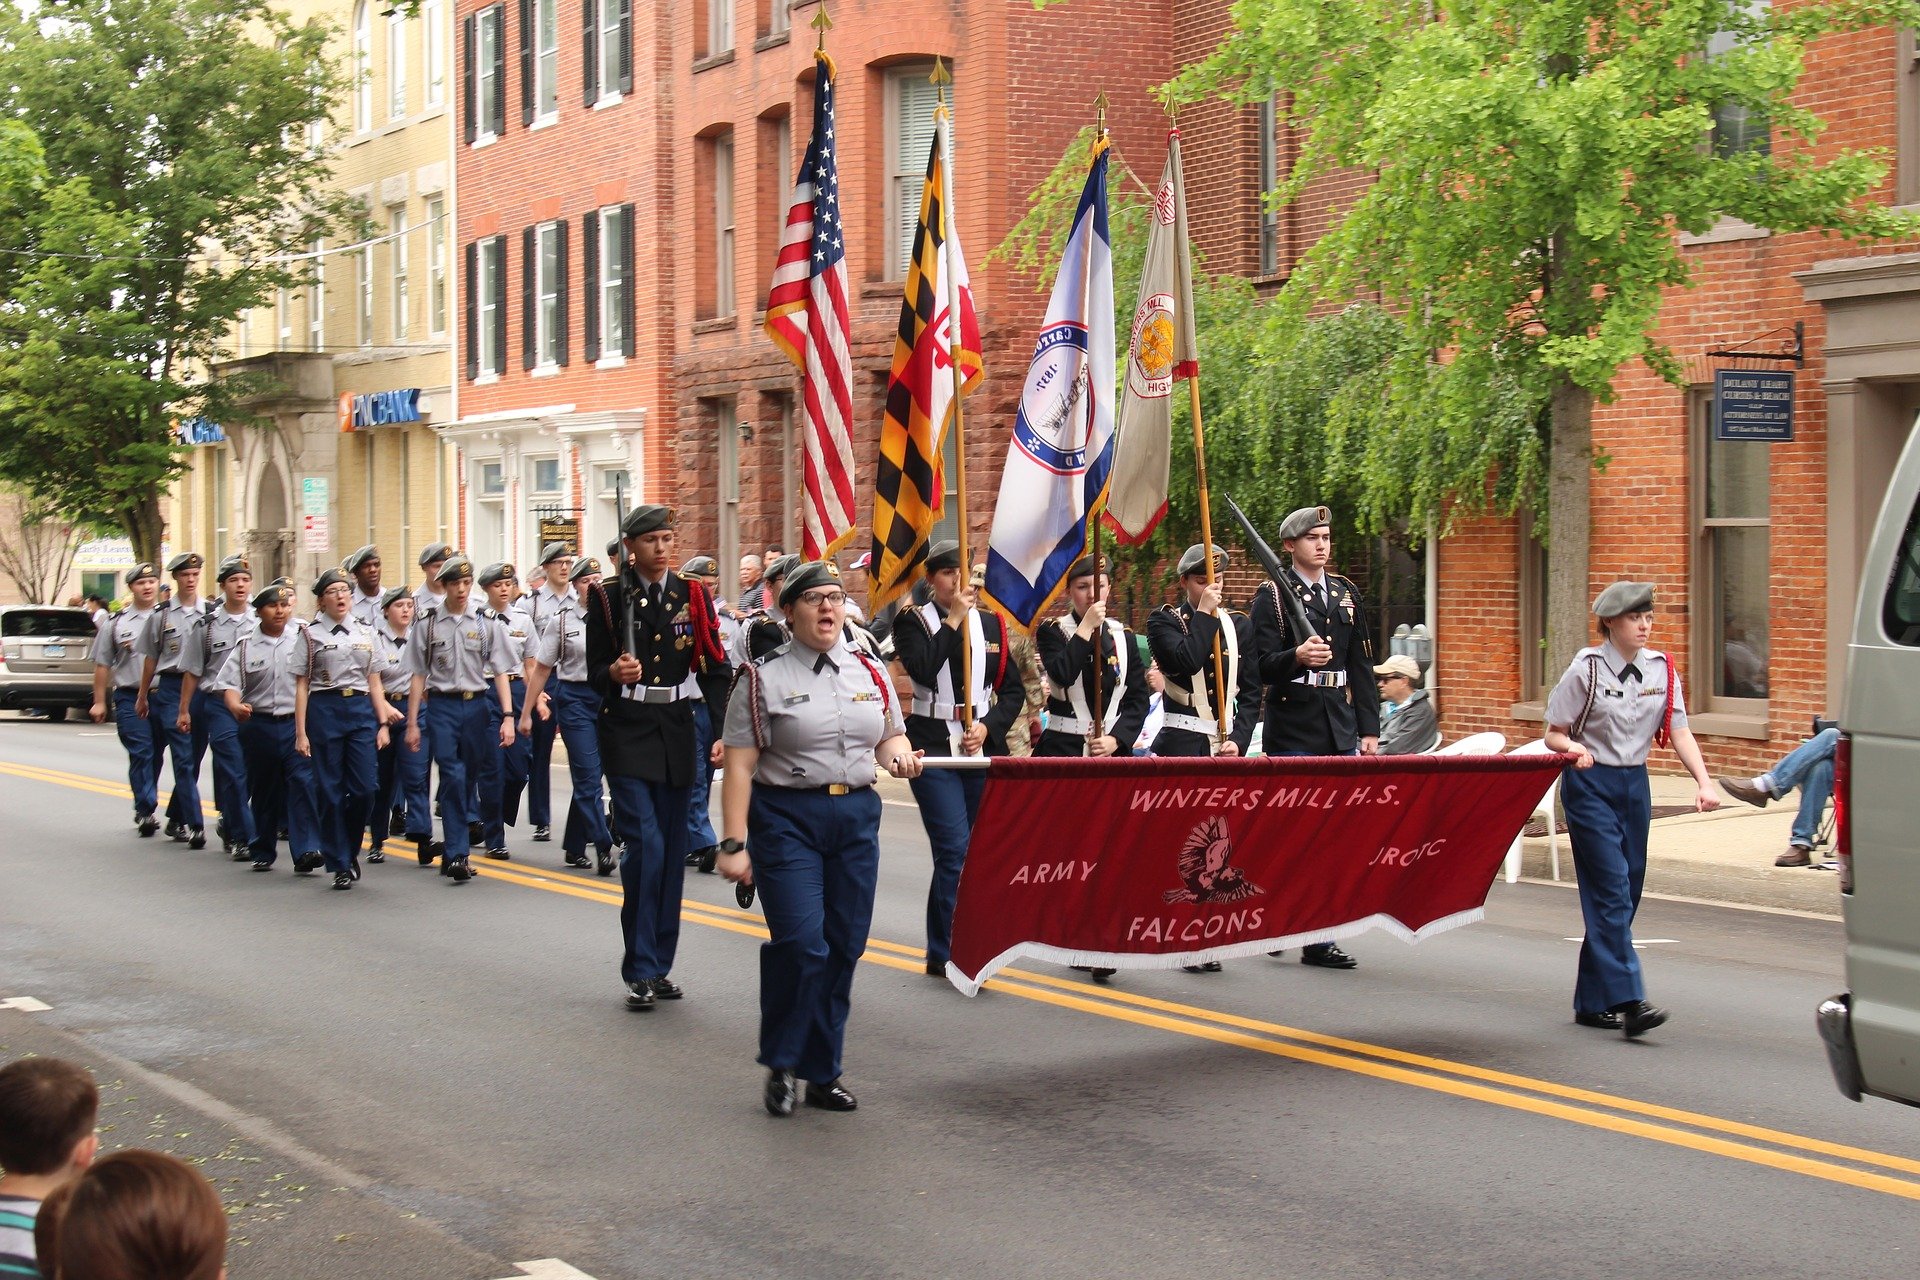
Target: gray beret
[
  {"x": 353, "y": 562},
  {"x": 1081, "y": 568},
  {"x": 1304, "y": 521},
  {"x": 232, "y": 565},
  {"x": 434, "y": 551},
  {"x": 141, "y": 570},
  {"x": 582, "y": 567},
  {"x": 392, "y": 596},
  {"x": 646, "y": 519},
  {"x": 1623, "y": 597},
  {"x": 781, "y": 567},
  {"x": 819, "y": 573},
  {"x": 555, "y": 551},
  {"x": 185, "y": 560},
  {"x": 273, "y": 595},
  {"x": 700, "y": 567},
  {"x": 500, "y": 571},
  {"x": 944, "y": 554},
  {"x": 1195, "y": 560},
  {"x": 331, "y": 578},
  {"x": 456, "y": 568}
]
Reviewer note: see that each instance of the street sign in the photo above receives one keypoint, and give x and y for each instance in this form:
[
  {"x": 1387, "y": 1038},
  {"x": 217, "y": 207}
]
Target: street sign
[
  {"x": 1753, "y": 404},
  {"x": 313, "y": 495},
  {"x": 564, "y": 530},
  {"x": 315, "y": 535}
]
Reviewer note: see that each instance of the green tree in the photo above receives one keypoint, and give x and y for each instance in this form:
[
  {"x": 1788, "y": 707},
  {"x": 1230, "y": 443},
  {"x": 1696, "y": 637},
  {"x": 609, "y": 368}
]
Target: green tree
[
  {"x": 173, "y": 176},
  {"x": 1533, "y": 160}
]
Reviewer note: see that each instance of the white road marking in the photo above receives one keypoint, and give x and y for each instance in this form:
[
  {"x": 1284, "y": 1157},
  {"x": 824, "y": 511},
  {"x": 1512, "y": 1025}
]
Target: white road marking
[
  {"x": 549, "y": 1269},
  {"x": 1637, "y": 942},
  {"x": 25, "y": 1004}
]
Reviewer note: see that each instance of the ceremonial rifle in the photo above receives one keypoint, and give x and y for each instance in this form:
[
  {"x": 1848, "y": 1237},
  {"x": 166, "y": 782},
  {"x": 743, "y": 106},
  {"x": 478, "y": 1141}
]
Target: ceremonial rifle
[
  {"x": 1290, "y": 606},
  {"x": 620, "y": 573}
]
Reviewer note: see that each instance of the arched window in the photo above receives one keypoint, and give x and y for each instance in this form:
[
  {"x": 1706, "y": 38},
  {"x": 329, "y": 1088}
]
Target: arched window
[{"x": 362, "y": 67}]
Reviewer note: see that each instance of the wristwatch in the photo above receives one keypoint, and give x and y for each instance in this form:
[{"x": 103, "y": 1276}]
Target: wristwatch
[{"x": 730, "y": 845}]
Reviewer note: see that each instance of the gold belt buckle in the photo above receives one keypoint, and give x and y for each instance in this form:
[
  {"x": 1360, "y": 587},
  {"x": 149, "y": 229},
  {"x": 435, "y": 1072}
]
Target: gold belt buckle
[
  {"x": 348, "y": 693},
  {"x": 838, "y": 788},
  {"x": 467, "y": 697}
]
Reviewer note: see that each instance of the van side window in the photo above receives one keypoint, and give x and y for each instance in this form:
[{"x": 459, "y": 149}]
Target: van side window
[{"x": 1900, "y": 614}]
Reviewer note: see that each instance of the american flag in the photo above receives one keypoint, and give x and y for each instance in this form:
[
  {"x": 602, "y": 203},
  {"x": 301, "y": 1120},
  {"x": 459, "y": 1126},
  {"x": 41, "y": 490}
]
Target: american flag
[{"x": 807, "y": 316}]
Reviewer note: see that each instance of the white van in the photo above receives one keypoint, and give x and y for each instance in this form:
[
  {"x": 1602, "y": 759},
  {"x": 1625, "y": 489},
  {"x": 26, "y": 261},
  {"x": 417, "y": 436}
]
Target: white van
[{"x": 1872, "y": 1030}]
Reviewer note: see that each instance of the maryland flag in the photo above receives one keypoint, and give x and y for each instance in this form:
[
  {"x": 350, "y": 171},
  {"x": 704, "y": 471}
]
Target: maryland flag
[{"x": 908, "y": 486}]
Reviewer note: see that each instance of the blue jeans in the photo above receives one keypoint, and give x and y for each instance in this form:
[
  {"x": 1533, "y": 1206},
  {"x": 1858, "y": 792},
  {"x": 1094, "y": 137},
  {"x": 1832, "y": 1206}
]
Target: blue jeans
[
  {"x": 699, "y": 803},
  {"x": 137, "y": 738},
  {"x": 1608, "y": 808},
  {"x": 500, "y": 793},
  {"x": 653, "y": 872},
  {"x": 577, "y": 709},
  {"x": 1809, "y": 767},
  {"x": 341, "y": 730},
  {"x": 282, "y": 783},
  {"x": 462, "y": 732},
  {"x": 230, "y": 792},
  {"x": 949, "y": 801},
  {"x": 163, "y": 705}
]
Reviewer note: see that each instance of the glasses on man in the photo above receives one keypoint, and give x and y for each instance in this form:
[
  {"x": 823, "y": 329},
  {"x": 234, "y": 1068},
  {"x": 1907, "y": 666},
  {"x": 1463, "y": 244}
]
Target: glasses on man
[{"x": 823, "y": 599}]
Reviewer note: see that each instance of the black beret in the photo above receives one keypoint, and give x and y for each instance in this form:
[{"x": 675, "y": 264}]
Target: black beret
[
  {"x": 818, "y": 573},
  {"x": 273, "y": 595},
  {"x": 782, "y": 566},
  {"x": 434, "y": 551},
  {"x": 646, "y": 519},
  {"x": 944, "y": 554},
  {"x": 1195, "y": 560},
  {"x": 353, "y": 562},
  {"x": 700, "y": 567},
  {"x": 232, "y": 565},
  {"x": 455, "y": 569},
  {"x": 392, "y": 595},
  {"x": 185, "y": 560},
  {"x": 499, "y": 571},
  {"x": 616, "y": 552},
  {"x": 1081, "y": 568},
  {"x": 1304, "y": 521},
  {"x": 555, "y": 551},
  {"x": 141, "y": 570},
  {"x": 582, "y": 567},
  {"x": 331, "y": 578},
  {"x": 1623, "y": 597}
]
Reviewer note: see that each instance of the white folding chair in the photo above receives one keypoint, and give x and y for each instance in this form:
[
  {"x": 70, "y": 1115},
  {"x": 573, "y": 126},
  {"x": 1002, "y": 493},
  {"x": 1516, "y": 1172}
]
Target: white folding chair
[
  {"x": 1536, "y": 748},
  {"x": 1475, "y": 744},
  {"x": 1433, "y": 748}
]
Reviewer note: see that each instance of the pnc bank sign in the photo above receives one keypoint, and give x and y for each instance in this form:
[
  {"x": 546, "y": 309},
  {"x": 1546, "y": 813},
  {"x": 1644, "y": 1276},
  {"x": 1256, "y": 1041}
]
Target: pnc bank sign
[{"x": 379, "y": 408}]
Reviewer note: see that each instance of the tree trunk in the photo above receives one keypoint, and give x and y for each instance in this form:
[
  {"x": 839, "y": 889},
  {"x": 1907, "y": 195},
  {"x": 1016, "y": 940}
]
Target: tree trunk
[
  {"x": 145, "y": 529},
  {"x": 1569, "y": 524}
]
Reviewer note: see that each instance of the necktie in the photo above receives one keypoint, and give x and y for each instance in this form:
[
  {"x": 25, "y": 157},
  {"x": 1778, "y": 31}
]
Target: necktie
[
  {"x": 1629, "y": 672},
  {"x": 339, "y": 630},
  {"x": 1320, "y": 599}
]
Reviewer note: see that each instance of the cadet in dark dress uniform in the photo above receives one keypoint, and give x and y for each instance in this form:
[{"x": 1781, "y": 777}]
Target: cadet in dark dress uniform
[
  {"x": 708, "y": 721},
  {"x": 933, "y": 642},
  {"x": 1066, "y": 648},
  {"x": 468, "y": 716},
  {"x": 346, "y": 724},
  {"x": 213, "y": 637},
  {"x": 403, "y": 773},
  {"x": 804, "y": 730},
  {"x": 1614, "y": 702},
  {"x": 500, "y": 791},
  {"x": 556, "y": 561},
  {"x": 1321, "y": 696},
  {"x": 117, "y": 664},
  {"x": 1180, "y": 638},
  {"x": 159, "y": 700},
  {"x": 364, "y": 565},
  {"x": 559, "y": 674},
  {"x": 652, "y": 650}
]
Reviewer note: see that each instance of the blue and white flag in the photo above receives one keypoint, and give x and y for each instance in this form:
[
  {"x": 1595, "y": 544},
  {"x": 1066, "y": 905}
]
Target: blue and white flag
[{"x": 1061, "y": 458}]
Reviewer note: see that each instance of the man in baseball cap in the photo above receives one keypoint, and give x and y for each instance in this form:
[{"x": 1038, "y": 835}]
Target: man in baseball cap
[{"x": 1408, "y": 725}]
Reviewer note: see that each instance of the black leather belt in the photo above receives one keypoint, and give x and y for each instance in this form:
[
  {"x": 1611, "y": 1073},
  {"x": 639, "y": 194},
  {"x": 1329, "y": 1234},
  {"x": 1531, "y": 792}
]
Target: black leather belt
[
  {"x": 831, "y": 789},
  {"x": 268, "y": 715},
  {"x": 342, "y": 693}
]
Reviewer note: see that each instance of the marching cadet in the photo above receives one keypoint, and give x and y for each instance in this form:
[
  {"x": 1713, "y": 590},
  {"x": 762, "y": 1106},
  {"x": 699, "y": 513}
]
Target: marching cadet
[
  {"x": 449, "y": 652},
  {"x": 213, "y": 638},
  {"x": 264, "y": 683},
  {"x": 556, "y": 563},
  {"x": 159, "y": 699},
  {"x": 347, "y": 712},
  {"x": 652, "y": 651},
  {"x": 560, "y": 655},
  {"x": 702, "y": 843},
  {"x": 500, "y": 791},
  {"x": 803, "y": 734},
  {"x": 364, "y": 565},
  {"x": 763, "y": 629},
  {"x": 1067, "y": 647},
  {"x": 616, "y": 557},
  {"x": 401, "y": 803},
  {"x": 1180, "y": 638},
  {"x": 1614, "y": 702},
  {"x": 1321, "y": 699},
  {"x": 933, "y": 642},
  {"x": 428, "y": 595},
  {"x": 117, "y": 662}
]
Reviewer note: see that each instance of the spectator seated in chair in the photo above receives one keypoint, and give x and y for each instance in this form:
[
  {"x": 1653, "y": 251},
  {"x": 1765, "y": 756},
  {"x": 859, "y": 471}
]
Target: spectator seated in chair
[
  {"x": 1407, "y": 723},
  {"x": 1809, "y": 767}
]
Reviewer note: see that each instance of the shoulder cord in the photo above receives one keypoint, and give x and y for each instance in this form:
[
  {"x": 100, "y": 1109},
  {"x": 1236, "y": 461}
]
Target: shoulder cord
[
  {"x": 879, "y": 682},
  {"x": 1593, "y": 694}
]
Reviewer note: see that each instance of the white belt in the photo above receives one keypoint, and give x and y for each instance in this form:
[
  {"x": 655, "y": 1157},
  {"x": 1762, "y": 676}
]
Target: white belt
[
  {"x": 942, "y": 710},
  {"x": 1068, "y": 724},
  {"x": 688, "y": 688},
  {"x": 1192, "y": 724},
  {"x": 1323, "y": 679}
]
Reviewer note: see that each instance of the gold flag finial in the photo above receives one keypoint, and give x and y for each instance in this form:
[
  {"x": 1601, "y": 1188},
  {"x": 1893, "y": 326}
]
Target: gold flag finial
[
  {"x": 1100, "y": 108},
  {"x": 940, "y": 78},
  {"x": 823, "y": 24}
]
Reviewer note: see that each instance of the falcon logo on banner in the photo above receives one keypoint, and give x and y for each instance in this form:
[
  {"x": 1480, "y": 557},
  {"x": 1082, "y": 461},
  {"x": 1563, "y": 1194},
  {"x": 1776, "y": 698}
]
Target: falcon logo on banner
[
  {"x": 807, "y": 317},
  {"x": 1061, "y": 456},
  {"x": 908, "y": 486},
  {"x": 1161, "y": 351}
]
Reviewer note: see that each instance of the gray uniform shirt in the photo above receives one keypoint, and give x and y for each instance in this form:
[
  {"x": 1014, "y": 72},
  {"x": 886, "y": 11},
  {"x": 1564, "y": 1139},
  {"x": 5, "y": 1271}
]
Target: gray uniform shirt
[
  {"x": 562, "y": 642},
  {"x": 453, "y": 650},
  {"x": 212, "y": 639},
  {"x": 365, "y": 609},
  {"x": 342, "y": 656},
  {"x": 516, "y": 637},
  {"x": 265, "y": 671},
  {"x": 166, "y": 634},
  {"x": 424, "y": 600},
  {"x": 1627, "y": 706},
  {"x": 392, "y": 659},
  {"x": 541, "y": 605},
  {"x": 816, "y": 717},
  {"x": 116, "y": 646}
]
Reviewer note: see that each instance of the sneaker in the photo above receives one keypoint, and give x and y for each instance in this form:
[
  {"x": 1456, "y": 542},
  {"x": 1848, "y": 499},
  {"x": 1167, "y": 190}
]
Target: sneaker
[
  {"x": 579, "y": 858},
  {"x": 665, "y": 989},
  {"x": 196, "y": 837},
  {"x": 176, "y": 830},
  {"x": 343, "y": 880},
  {"x": 1742, "y": 789},
  {"x": 603, "y": 860},
  {"x": 542, "y": 834},
  {"x": 1797, "y": 855},
  {"x": 498, "y": 853},
  {"x": 239, "y": 853},
  {"x": 640, "y": 996},
  {"x": 262, "y": 866},
  {"x": 374, "y": 855},
  {"x": 147, "y": 824}
]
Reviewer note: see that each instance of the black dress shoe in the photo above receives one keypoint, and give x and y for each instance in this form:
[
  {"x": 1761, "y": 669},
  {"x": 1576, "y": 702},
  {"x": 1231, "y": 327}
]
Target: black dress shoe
[
  {"x": 603, "y": 860},
  {"x": 936, "y": 968},
  {"x": 709, "y": 858},
  {"x": 579, "y": 859},
  {"x": 665, "y": 989},
  {"x": 640, "y": 996},
  {"x": 427, "y": 849},
  {"x": 1211, "y": 966},
  {"x": 475, "y": 833},
  {"x": 1599, "y": 1021},
  {"x": 1098, "y": 975},
  {"x": 459, "y": 871},
  {"x": 148, "y": 825},
  {"x": 396, "y": 819},
  {"x": 778, "y": 1095},
  {"x": 307, "y": 863},
  {"x": 542, "y": 834},
  {"x": 831, "y": 1096},
  {"x": 196, "y": 837},
  {"x": 1327, "y": 956},
  {"x": 692, "y": 857},
  {"x": 176, "y": 830},
  {"x": 343, "y": 880},
  {"x": 1638, "y": 1017},
  {"x": 220, "y": 829}
]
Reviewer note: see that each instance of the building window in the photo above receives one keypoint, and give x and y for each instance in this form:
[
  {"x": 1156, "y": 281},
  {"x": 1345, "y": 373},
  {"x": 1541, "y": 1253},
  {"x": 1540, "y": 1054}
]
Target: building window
[
  {"x": 1269, "y": 179},
  {"x": 486, "y": 74},
  {"x": 362, "y": 67},
  {"x": 910, "y": 103},
  {"x": 792, "y": 465},
  {"x": 546, "y": 59},
  {"x": 283, "y": 317},
  {"x": 777, "y": 18},
  {"x": 437, "y": 267},
  {"x": 433, "y": 16},
  {"x": 726, "y": 435},
  {"x": 218, "y": 462},
  {"x": 612, "y": 486},
  {"x": 487, "y": 307},
  {"x": 545, "y": 284},
  {"x": 609, "y": 50},
  {"x": 545, "y": 497},
  {"x": 398, "y": 254},
  {"x": 723, "y": 280},
  {"x": 396, "y": 65},
  {"x": 489, "y": 487},
  {"x": 363, "y": 296},
  {"x": 1731, "y": 566},
  {"x": 317, "y": 299},
  {"x": 1739, "y": 129},
  {"x": 719, "y": 26},
  {"x": 608, "y": 236}
]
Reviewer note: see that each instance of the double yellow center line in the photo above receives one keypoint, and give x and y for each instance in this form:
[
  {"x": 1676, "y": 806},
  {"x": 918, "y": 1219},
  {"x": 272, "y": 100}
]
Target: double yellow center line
[{"x": 1695, "y": 1131}]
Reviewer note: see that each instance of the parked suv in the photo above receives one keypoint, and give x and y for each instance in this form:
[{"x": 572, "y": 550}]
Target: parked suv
[
  {"x": 1872, "y": 1030},
  {"x": 46, "y": 658}
]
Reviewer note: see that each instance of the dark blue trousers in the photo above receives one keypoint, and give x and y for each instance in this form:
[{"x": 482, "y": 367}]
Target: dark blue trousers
[
  {"x": 576, "y": 708},
  {"x": 136, "y": 737},
  {"x": 341, "y": 729},
  {"x": 949, "y": 800},
  {"x": 230, "y": 791},
  {"x": 540, "y": 766},
  {"x": 463, "y": 732},
  {"x": 500, "y": 794},
  {"x": 402, "y": 784},
  {"x": 282, "y": 785},
  {"x": 816, "y": 860},
  {"x": 163, "y": 705},
  {"x": 1609, "y": 808},
  {"x": 653, "y": 872},
  {"x": 699, "y": 799}
]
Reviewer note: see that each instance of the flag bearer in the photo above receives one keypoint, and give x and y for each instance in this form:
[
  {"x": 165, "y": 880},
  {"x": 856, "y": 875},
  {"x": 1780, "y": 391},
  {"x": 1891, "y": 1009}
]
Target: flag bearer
[
  {"x": 117, "y": 664},
  {"x": 556, "y": 562},
  {"x": 935, "y": 642},
  {"x": 803, "y": 734},
  {"x": 1614, "y": 702},
  {"x": 364, "y": 565},
  {"x": 159, "y": 700},
  {"x": 559, "y": 673},
  {"x": 466, "y": 713},
  {"x": 346, "y": 723},
  {"x": 215, "y": 636},
  {"x": 500, "y": 791},
  {"x": 401, "y": 803}
]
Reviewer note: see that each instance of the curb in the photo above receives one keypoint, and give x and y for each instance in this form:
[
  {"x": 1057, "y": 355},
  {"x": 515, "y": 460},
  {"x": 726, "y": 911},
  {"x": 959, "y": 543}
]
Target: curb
[{"x": 1764, "y": 885}]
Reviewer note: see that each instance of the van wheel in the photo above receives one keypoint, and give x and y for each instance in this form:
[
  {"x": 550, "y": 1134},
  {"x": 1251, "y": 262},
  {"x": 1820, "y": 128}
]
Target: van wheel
[{"x": 57, "y": 714}]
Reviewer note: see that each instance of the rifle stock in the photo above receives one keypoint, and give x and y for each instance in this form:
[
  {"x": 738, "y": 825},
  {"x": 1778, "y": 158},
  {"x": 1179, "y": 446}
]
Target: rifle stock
[{"x": 1296, "y": 613}]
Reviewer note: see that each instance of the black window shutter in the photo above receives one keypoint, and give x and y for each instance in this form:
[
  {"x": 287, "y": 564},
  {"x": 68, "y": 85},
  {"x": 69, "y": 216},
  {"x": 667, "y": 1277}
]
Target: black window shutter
[
  {"x": 500, "y": 297},
  {"x": 468, "y": 54},
  {"x": 560, "y": 292},
  {"x": 628, "y": 345},
  {"x": 529, "y": 300},
  {"x": 590, "y": 286},
  {"x": 526, "y": 62},
  {"x": 500, "y": 70},
  {"x": 590, "y": 55},
  {"x": 626, "y": 46},
  {"x": 473, "y": 310}
]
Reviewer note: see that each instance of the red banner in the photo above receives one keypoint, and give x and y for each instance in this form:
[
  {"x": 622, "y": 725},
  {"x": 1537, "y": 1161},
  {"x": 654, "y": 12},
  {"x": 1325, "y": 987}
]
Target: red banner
[{"x": 1153, "y": 863}]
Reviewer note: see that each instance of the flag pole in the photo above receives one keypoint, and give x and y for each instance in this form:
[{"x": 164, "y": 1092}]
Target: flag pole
[
  {"x": 1097, "y": 729},
  {"x": 941, "y": 78}
]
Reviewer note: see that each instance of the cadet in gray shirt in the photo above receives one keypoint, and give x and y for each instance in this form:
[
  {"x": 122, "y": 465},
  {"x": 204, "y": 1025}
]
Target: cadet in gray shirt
[
  {"x": 212, "y": 638},
  {"x": 117, "y": 663}
]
